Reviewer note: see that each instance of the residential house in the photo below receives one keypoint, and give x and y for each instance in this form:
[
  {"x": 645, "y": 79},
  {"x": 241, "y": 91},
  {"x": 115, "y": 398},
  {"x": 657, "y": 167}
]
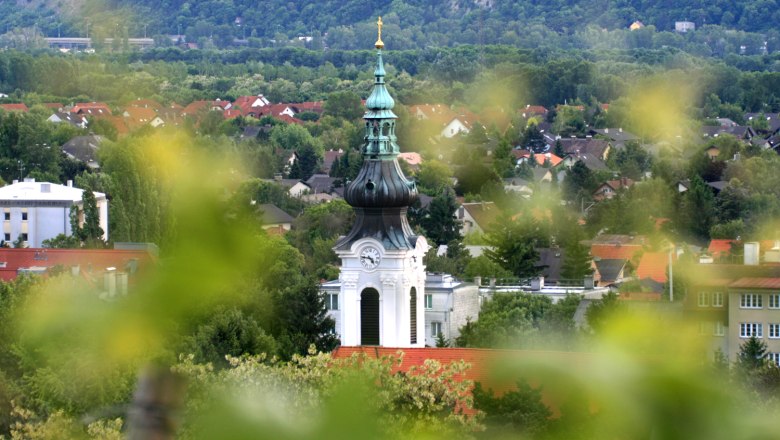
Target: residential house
[
  {"x": 580, "y": 147},
  {"x": 321, "y": 183},
  {"x": 531, "y": 111},
  {"x": 609, "y": 271},
  {"x": 636, "y": 25},
  {"x": 38, "y": 211},
  {"x": 146, "y": 103},
  {"x": 91, "y": 109},
  {"x": 54, "y": 106},
  {"x": 329, "y": 158},
  {"x": 295, "y": 187},
  {"x": 519, "y": 186},
  {"x": 772, "y": 120},
  {"x": 251, "y": 105},
  {"x": 73, "y": 119},
  {"x": 413, "y": 159},
  {"x": 617, "y": 137},
  {"x": 550, "y": 263},
  {"x": 84, "y": 149},
  {"x": 540, "y": 159},
  {"x": 273, "y": 219},
  {"x": 14, "y": 107},
  {"x": 542, "y": 175},
  {"x": 655, "y": 266},
  {"x": 592, "y": 162},
  {"x": 476, "y": 217},
  {"x": 741, "y": 132},
  {"x": 112, "y": 269},
  {"x": 136, "y": 117},
  {"x": 610, "y": 188},
  {"x": 732, "y": 302}
]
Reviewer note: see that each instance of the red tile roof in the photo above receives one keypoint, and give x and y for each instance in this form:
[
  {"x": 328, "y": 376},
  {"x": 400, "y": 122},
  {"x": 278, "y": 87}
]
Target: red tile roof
[
  {"x": 86, "y": 259},
  {"x": 145, "y": 103},
  {"x": 91, "y": 108},
  {"x": 640, "y": 296},
  {"x": 231, "y": 113},
  {"x": 653, "y": 265},
  {"x": 14, "y": 107},
  {"x": 615, "y": 252},
  {"x": 496, "y": 369},
  {"x": 756, "y": 283},
  {"x": 719, "y": 247}
]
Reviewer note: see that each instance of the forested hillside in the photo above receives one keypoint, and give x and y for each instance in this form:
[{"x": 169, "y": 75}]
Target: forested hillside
[{"x": 413, "y": 23}]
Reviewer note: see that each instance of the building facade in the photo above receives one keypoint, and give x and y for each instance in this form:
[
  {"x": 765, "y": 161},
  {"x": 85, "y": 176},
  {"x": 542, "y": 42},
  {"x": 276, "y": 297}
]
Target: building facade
[{"x": 37, "y": 211}]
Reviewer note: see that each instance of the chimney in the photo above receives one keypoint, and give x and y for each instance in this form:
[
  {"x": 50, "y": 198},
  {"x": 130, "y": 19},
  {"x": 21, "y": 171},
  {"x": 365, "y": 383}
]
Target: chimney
[
  {"x": 537, "y": 283},
  {"x": 278, "y": 177},
  {"x": 70, "y": 184},
  {"x": 751, "y": 253},
  {"x": 16, "y": 181},
  {"x": 606, "y": 130},
  {"x": 588, "y": 282},
  {"x": 110, "y": 281},
  {"x": 121, "y": 281},
  {"x": 478, "y": 281}
]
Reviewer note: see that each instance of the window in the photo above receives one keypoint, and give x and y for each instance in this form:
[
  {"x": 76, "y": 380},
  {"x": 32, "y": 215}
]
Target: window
[
  {"x": 24, "y": 215},
  {"x": 774, "y": 301},
  {"x": 774, "y": 357},
  {"x": 7, "y": 237},
  {"x": 748, "y": 329},
  {"x": 435, "y": 329},
  {"x": 717, "y": 299},
  {"x": 332, "y": 301},
  {"x": 774, "y": 331},
  {"x": 704, "y": 328},
  {"x": 7, "y": 215},
  {"x": 704, "y": 299},
  {"x": 750, "y": 301},
  {"x": 428, "y": 301},
  {"x": 719, "y": 330}
]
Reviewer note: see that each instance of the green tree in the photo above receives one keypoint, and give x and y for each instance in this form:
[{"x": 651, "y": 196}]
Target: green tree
[
  {"x": 440, "y": 224},
  {"x": 579, "y": 183},
  {"x": 345, "y": 104},
  {"x": 303, "y": 321},
  {"x": 228, "y": 332},
  {"x": 601, "y": 311},
  {"x": 519, "y": 411},
  {"x": 509, "y": 319},
  {"x": 513, "y": 244},
  {"x": 433, "y": 177},
  {"x": 576, "y": 259},
  {"x": 697, "y": 208}
]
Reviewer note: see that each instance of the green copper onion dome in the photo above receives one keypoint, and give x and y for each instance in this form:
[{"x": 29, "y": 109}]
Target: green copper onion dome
[
  {"x": 380, "y": 100},
  {"x": 380, "y": 194}
]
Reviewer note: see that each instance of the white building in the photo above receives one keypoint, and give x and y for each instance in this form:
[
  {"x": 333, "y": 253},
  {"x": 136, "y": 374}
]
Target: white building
[{"x": 37, "y": 211}]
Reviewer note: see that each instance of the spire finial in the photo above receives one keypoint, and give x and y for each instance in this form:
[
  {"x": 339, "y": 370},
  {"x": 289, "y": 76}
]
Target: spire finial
[{"x": 379, "y": 44}]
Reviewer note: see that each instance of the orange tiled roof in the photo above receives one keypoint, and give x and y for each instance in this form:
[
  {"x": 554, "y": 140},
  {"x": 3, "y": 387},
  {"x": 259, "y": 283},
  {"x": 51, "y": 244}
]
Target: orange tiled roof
[
  {"x": 756, "y": 283},
  {"x": 653, "y": 265},
  {"x": 615, "y": 252},
  {"x": 97, "y": 259},
  {"x": 720, "y": 246},
  {"x": 91, "y": 108},
  {"x": 14, "y": 107}
]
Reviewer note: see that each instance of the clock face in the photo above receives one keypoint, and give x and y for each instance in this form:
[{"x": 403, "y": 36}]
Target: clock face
[{"x": 370, "y": 257}]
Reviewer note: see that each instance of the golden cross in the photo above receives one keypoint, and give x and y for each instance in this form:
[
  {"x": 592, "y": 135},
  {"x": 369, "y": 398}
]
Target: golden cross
[{"x": 379, "y": 44}]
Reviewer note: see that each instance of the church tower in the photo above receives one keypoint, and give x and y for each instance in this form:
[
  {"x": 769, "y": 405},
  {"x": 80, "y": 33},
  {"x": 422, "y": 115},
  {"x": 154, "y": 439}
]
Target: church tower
[{"x": 382, "y": 272}]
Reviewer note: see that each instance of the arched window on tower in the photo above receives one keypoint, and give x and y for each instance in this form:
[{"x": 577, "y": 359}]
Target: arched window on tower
[{"x": 369, "y": 317}]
